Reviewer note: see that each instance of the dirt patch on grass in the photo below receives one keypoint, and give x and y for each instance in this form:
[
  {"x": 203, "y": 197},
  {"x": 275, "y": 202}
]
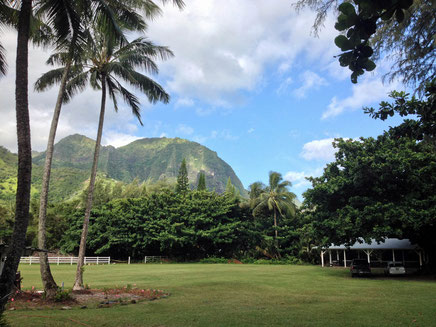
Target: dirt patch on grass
[{"x": 88, "y": 298}]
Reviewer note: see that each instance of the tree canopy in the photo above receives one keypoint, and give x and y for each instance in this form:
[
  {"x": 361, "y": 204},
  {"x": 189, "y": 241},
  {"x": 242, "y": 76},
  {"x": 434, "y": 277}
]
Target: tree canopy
[
  {"x": 380, "y": 187},
  {"x": 402, "y": 30}
]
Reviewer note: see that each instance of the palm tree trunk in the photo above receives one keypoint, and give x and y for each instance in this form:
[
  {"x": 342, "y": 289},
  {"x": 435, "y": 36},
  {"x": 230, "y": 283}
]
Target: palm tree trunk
[
  {"x": 275, "y": 225},
  {"x": 78, "y": 284},
  {"x": 276, "y": 235},
  {"x": 50, "y": 286},
  {"x": 24, "y": 156}
]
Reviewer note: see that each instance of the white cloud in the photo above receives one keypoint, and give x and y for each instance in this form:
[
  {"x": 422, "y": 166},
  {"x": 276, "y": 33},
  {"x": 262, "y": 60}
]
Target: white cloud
[
  {"x": 184, "y": 102},
  {"x": 319, "y": 150},
  {"x": 284, "y": 86},
  {"x": 185, "y": 129},
  {"x": 251, "y": 130},
  {"x": 118, "y": 139},
  {"x": 221, "y": 50},
  {"x": 310, "y": 80},
  {"x": 78, "y": 116},
  {"x": 299, "y": 179},
  {"x": 369, "y": 90}
]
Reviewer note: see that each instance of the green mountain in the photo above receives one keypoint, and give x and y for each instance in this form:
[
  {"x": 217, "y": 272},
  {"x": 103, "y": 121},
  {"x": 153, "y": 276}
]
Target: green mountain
[{"x": 149, "y": 159}]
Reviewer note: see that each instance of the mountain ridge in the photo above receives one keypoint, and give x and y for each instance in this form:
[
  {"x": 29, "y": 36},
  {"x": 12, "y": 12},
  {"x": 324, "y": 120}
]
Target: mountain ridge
[{"x": 146, "y": 159}]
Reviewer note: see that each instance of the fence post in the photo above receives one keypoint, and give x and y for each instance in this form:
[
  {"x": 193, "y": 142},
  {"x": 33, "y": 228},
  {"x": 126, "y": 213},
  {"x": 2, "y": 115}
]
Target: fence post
[
  {"x": 128, "y": 261},
  {"x": 145, "y": 259},
  {"x": 58, "y": 261},
  {"x": 30, "y": 261},
  {"x": 97, "y": 260},
  {"x": 71, "y": 258},
  {"x": 109, "y": 261}
]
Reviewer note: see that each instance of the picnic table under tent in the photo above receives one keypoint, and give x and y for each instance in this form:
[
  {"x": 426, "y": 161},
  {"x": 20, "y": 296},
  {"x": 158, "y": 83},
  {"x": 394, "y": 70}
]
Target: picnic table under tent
[{"x": 391, "y": 249}]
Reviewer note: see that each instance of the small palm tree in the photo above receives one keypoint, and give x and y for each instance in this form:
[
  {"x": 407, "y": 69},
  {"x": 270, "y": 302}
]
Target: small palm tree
[{"x": 277, "y": 198}]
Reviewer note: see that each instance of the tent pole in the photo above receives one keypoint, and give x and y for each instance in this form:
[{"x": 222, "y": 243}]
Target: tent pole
[{"x": 345, "y": 259}]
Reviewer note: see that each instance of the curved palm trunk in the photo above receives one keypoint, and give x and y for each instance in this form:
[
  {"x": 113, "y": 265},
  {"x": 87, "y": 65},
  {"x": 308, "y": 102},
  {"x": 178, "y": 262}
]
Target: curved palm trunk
[
  {"x": 50, "y": 286},
  {"x": 78, "y": 284},
  {"x": 24, "y": 156}
]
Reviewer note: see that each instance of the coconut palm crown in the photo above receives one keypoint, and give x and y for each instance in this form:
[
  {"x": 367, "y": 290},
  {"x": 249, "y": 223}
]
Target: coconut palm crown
[{"x": 276, "y": 197}]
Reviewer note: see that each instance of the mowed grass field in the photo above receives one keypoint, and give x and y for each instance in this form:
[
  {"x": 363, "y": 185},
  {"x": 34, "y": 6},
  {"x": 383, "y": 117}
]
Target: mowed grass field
[{"x": 241, "y": 295}]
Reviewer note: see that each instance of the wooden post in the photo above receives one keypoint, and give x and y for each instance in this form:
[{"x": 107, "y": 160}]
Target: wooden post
[
  {"x": 345, "y": 259},
  {"x": 322, "y": 258},
  {"x": 393, "y": 255},
  {"x": 337, "y": 255},
  {"x": 420, "y": 258},
  {"x": 128, "y": 261},
  {"x": 145, "y": 259},
  {"x": 71, "y": 261},
  {"x": 58, "y": 261},
  {"x": 330, "y": 257},
  {"x": 30, "y": 261}
]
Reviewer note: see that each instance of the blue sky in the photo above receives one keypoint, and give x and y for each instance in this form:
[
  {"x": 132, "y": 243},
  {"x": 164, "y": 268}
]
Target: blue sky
[{"x": 248, "y": 80}]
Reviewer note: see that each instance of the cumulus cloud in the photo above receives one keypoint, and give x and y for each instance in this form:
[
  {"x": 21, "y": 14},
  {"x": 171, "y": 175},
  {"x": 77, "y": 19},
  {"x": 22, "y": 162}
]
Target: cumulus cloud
[
  {"x": 369, "y": 90},
  {"x": 221, "y": 50},
  {"x": 78, "y": 116},
  {"x": 310, "y": 80},
  {"x": 319, "y": 150},
  {"x": 299, "y": 179}
]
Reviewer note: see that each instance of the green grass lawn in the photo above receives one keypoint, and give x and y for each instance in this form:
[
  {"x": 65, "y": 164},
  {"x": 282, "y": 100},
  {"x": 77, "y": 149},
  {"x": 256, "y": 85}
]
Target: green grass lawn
[{"x": 241, "y": 295}]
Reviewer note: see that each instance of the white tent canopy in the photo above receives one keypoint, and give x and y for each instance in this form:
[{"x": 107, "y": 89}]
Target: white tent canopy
[{"x": 389, "y": 244}]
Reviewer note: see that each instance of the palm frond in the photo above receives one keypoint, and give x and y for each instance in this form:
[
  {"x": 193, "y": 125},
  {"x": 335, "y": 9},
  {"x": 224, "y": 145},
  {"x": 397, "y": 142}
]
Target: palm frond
[
  {"x": 131, "y": 100},
  {"x": 61, "y": 16},
  {"x": 112, "y": 88},
  {"x": 57, "y": 58},
  {"x": 142, "y": 46},
  {"x": 76, "y": 85},
  {"x": 106, "y": 19},
  {"x": 153, "y": 90},
  {"x": 3, "y": 64},
  {"x": 93, "y": 80},
  {"x": 49, "y": 79},
  {"x": 8, "y": 14},
  {"x": 178, "y": 3}
]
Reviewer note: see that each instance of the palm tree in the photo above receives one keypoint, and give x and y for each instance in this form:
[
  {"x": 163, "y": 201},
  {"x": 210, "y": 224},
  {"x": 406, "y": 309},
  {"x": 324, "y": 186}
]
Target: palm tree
[
  {"x": 63, "y": 20},
  {"x": 276, "y": 197},
  {"x": 73, "y": 50},
  {"x": 24, "y": 155},
  {"x": 118, "y": 13},
  {"x": 106, "y": 62}
]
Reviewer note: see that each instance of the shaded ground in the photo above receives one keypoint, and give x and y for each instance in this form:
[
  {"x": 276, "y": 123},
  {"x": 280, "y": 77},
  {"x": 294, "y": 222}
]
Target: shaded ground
[{"x": 87, "y": 298}]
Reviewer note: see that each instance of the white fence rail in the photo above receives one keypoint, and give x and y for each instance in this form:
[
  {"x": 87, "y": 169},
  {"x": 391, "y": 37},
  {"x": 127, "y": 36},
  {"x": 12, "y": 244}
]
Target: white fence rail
[
  {"x": 154, "y": 258},
  {"x": 67, "y": 260}
]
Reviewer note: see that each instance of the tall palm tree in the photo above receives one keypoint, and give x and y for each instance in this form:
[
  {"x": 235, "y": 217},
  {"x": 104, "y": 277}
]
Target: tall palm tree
[
  {"x": 23, "y": 128},
  {"x": 277, "y": 198},
  {"x": 24, "y": 155},
  {"x": 73, "y": 48},
  {"x": 106, "y": 62}
]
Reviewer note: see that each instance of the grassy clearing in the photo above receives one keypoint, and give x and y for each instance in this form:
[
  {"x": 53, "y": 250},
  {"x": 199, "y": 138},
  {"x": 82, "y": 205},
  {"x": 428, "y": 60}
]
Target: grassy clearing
[{"x": 242, "y": 295}]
